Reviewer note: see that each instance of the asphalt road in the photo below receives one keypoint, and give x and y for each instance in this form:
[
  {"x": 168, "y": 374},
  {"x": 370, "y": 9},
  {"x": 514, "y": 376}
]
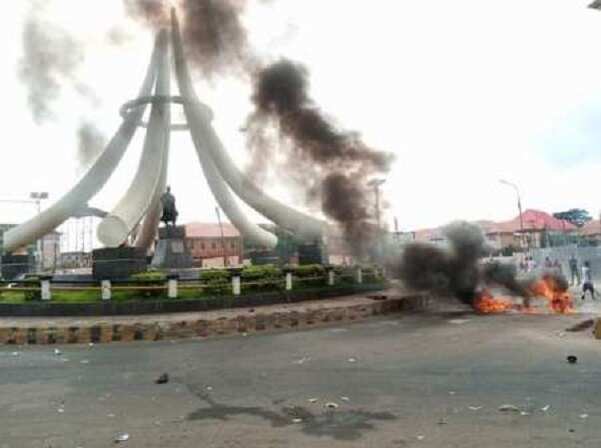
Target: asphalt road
[{"x": 429, "y": 380}]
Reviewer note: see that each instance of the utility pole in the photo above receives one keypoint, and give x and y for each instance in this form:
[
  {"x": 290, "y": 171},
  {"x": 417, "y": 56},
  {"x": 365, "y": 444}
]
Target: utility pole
[
  {"x": 517, "y": 191},
  {"x": 376, "y": 183},
  {"x": 225, "y": 261}
]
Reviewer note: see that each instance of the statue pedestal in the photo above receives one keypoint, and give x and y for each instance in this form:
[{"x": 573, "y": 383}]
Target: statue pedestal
[
  {"x": 171, "y": 251},
  {"x": 117, "y": 263}
]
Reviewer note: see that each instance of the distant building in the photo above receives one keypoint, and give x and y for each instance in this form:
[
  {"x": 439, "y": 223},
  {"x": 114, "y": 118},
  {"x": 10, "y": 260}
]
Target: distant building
[
  {"x": 540, "y": 229},
  {"x": 51, "y": 250},
  {"x": 591, "y": 230},
  {"x": 75, "y": 260},
  {"x": 206, "y": 245},
  {"x": 49, "y": 245}
]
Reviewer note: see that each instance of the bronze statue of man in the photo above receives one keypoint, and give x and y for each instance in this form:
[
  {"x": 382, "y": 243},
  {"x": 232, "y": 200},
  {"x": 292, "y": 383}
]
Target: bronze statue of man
[{"x": 169, "y": 211}]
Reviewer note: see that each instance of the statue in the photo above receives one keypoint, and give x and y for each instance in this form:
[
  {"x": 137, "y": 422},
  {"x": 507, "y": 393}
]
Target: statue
[{"x": 169, "y": 211}]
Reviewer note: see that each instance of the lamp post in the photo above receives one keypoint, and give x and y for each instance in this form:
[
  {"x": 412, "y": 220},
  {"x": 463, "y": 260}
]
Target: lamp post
[
  {"x": 517, "y": 192},
  {"x": 37, "y": 197},
  {"x": 376, "y": 183}
]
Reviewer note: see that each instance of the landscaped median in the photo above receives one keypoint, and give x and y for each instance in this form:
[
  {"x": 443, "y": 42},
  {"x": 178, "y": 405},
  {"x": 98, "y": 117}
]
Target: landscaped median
[
  {"x": 156, "y": 292},
  {"x": 224, "y": 322}
]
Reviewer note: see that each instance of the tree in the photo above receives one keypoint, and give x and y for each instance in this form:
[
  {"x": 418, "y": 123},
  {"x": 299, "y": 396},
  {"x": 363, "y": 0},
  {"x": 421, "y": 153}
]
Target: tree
[{"x": 576, "y": 216}]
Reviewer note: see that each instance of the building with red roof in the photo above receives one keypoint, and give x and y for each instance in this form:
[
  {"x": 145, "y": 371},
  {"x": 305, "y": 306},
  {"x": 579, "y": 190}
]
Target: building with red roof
[{"x": 207, "y": 246}]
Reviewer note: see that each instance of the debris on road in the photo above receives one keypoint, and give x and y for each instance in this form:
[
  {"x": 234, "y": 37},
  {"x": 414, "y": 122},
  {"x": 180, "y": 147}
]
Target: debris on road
[
  {"x": 122, "y": 437},
  {"x": 508, "y": 408},
  {"x": 377, "y": 297},
  {"x": 581, "y": 326},
  {"x": 345, "y": 398},
  {"x": 458, "y": 321},
  {"x": 331, "y": 405},
  {"x": 301, "y": 361},
  {"x": 312, "y": 400},
  {"x": 163, "y": 379},
  {"x": 572, "y": 359},
  {"x": 474, "y": 408}
]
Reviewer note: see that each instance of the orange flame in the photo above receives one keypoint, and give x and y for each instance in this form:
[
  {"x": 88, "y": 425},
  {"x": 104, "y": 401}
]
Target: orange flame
[
  {"x": 560, "y": 301},
  {"x": 486, "y": 303}
]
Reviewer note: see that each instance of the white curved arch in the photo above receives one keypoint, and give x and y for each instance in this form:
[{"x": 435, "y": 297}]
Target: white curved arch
[
  {"x": 207, "y": 141},
  {"x": 90, "y": 184},
  {"x": 114, "y": 229}
]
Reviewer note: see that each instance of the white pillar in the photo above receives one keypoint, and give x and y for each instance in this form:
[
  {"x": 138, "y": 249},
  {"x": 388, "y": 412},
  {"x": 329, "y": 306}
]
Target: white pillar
[
  {"x": 172, "y": 286},
  {"x": 45, "y": 286},
  {"x": 331, "y": 277},
  {"x": 359, "y": 275},
  {"x": 236, "y": 284},
  {"x": 105, "y": 288},
  {"x": 288, "y": 281}
]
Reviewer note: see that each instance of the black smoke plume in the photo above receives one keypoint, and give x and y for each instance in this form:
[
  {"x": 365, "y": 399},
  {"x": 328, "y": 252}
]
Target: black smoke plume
[
  {"x": 153, "y": 13},
  {"x": 331, "y": 165},
  {"x": 91, "y": 142},
  {"x": 336, "y": 164},
  {"x": 215, "y": 38},
  {"x": 455, "y": 270},
  {"x": 50, "y": 59}
]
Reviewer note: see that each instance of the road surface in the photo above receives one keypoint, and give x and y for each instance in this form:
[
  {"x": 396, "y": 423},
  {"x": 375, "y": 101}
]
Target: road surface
[{"x": 423, "y": 380}]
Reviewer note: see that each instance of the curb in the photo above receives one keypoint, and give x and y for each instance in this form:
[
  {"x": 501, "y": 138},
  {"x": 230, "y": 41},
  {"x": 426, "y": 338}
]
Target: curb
[{"x": 202, "y": 325}]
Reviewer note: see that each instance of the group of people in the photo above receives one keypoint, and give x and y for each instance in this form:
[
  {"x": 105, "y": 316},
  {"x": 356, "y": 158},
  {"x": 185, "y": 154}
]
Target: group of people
[
  {"x": 586, "y": 279},
  {"x": 578, "y": 276}
]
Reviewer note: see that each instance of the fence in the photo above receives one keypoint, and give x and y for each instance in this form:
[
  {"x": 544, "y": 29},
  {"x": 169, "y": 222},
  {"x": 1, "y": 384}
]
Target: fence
[{"x": 44, "y": 287}]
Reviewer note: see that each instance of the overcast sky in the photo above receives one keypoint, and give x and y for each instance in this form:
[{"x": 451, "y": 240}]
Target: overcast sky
[{"x": 464, "y": 92}]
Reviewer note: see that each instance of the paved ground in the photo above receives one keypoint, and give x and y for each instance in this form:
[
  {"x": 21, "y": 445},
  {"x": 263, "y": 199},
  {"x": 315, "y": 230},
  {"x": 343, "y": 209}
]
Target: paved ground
[{"x": 426, "y": 380}]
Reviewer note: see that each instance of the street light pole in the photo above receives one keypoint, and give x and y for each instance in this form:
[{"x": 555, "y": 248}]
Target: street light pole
[
  {"x": 517, "y": 191},
  {"x": 376, "y": 183},
  {"x": 37, "y": 197}
]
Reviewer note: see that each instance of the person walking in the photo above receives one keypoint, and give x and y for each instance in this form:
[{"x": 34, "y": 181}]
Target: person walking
[
  {"x": 574, "y": 272},
  {"x": 587, "y": 281}
]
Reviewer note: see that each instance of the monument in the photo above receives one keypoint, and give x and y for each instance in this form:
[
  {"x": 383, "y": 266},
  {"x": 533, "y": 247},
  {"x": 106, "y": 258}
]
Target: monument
[
  {"x": 140, "y": 207},
  {"x": 171, "y": 251}
]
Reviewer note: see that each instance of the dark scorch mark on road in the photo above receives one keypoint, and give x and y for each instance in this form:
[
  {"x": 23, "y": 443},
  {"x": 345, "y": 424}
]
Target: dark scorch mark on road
[{"x": 340, "y": 425}]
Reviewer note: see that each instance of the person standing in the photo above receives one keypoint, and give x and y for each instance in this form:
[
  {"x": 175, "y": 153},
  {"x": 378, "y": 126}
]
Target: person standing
[
  {"x": 587, "y": 281},
  {"x": 557, "y": 267},
  {"x": 574, "y": 272}
]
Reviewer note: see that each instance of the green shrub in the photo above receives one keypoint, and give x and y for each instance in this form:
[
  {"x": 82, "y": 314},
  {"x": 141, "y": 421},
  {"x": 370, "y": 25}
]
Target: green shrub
[
  {"x": 309, "y": 275},
  {"x": 217, "y": 281},
  {"x": 32, "y": 281},
  {"x": 149, "y": 278},
  {"x": 262, "y": 278}
]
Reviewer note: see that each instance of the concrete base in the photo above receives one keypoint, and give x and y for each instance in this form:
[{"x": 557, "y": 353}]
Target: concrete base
[
  {"x": 118, "y": 263},
  {"x": 12, "y": 266},
  {"x": 311, "y": 253},
  {"x": 171, "y": 251}
]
